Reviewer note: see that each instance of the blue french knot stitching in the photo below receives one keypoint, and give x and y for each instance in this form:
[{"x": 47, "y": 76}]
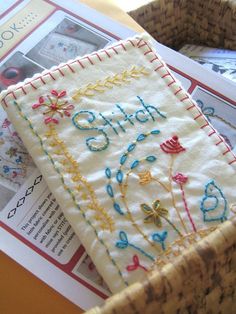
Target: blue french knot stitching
[
  {"x": 124, "y": 243},
  {"x": 216, "y": 201},
  {"x": 160, "y": 237}
]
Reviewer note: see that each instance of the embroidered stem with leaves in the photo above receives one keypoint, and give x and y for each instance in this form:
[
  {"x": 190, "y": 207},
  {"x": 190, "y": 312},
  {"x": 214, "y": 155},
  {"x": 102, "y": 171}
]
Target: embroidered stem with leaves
[
  {"x": 146, "y": 178},
  {"x": 109, "y": 82},
  {"x": 181, "y": 179},
  {"x": 124, "y": 243},
  {"x": 173, "y": 147},
  {"x": 72, "y": 167},
  {"x": 122, "y": 180}
]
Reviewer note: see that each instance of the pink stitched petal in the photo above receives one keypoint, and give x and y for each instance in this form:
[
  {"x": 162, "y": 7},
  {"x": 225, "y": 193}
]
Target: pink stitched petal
[
  {"x": 47, "y": 120},
  {"x": 180, "y": 178},
  {"x": 41, "y": 99},
  {"x": 67, "y": 113},
  {"x": 69, "y": 107},
  {"x": 136, "y": 260},
  {"x": 55, "y": 121},
  {"x": 35, "y": 106},
  {"x": 62, "y": 93},
  {"x": 54, "y": 92},
  {"x": 131, "y": 267},
  {"x": 14, "y": 174}
]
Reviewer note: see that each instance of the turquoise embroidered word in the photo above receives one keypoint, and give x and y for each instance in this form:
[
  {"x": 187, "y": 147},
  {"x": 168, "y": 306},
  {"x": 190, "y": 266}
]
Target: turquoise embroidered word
[{"x": 104, "y": 125}]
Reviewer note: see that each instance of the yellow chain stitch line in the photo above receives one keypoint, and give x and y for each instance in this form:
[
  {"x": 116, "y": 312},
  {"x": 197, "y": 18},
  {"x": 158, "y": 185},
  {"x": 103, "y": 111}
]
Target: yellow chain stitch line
[
  {"x": 109, "y": 82},
  {"x": 176, "y": 247},
  {"x": 72, "y": 167}
]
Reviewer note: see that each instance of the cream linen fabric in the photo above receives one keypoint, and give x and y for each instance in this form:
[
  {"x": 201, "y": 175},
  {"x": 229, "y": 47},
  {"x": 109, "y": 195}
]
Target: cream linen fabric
[{"x": 110, "y": 148}]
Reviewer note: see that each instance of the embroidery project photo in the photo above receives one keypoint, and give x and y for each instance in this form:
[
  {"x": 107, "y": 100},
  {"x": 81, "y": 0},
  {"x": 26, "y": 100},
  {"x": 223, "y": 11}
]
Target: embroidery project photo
[{"x": 136, "y": 167}]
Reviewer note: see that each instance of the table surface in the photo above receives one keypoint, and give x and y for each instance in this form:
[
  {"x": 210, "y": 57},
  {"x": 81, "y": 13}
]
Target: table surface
[{"x": 21, "y": 292}]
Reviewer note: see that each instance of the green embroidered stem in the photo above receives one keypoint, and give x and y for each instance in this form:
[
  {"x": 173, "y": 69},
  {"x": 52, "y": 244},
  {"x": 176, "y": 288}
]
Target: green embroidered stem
[
  {"x": 172, "y": 225},
  {"x": 123, "y": 191},
  {"x": 162, "y": 184}
]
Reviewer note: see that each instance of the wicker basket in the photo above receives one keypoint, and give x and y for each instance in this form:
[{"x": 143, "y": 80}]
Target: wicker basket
[
  {"x": 177, "y": 22},
  {"x": 202, "y": 278}
]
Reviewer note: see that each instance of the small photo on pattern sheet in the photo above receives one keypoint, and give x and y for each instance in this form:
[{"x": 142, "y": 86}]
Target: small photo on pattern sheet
[
  {"x": 16, "y": 164},
  {"x": 66, "y": 41},
  {"x": 16, "y": 69},
  {"x": 220, "y": 113}
]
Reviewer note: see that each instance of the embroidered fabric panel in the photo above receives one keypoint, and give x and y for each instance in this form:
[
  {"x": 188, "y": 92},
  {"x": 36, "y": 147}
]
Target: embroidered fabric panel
[
  {"x": 136, "y": 167},
  {"x": 15, "y": 162}
]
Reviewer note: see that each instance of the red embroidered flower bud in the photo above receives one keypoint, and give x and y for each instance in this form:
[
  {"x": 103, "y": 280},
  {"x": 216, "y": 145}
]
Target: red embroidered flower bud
[{"x": 172, "y": 146}]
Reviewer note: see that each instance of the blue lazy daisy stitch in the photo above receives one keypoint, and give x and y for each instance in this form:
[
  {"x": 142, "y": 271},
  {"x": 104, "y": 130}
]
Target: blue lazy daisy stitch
[
  {"x": 123, "y": 243},
  {"x": 213, "y": 204}
]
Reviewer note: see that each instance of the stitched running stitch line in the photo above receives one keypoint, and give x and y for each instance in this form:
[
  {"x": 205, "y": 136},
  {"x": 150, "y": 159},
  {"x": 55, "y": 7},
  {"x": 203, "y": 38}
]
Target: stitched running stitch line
[
  {"x": 109, "y": 82},
  {"x": 182, "y": 96},
  {"x": 69, "y": 190}
]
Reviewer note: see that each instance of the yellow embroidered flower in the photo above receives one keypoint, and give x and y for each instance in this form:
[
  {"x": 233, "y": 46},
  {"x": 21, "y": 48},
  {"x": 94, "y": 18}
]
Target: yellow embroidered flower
[
  {"x": 154, "y": 213},
  {"x": 145, "y": 177}
]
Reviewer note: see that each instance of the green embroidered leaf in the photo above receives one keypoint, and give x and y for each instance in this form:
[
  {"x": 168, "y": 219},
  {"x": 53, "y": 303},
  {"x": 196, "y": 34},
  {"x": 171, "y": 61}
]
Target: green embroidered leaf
[
  {"x": 110, "y": 190},
  {"x": 118, "y": 208},
  {"x": 121, "y": 245},
  {"x": 155, "y": 132},
  {"x": 156, "y": 204},
  {"x": 149, "y": 218},
  {"x": 123, "y": 236},
  {"x": 141, "y": 137},
  {"x": 146, "y": 209},
  {"x": 157, "y": 221},
  {"x": 134, "y": 164},
  {"x": 131, "y": 147},
  {"x": 151, "y": 158},
  {"x": 108, "y": 173},
  {"x": 123, "y": 159},
  {"x": 119, "y": 176}
]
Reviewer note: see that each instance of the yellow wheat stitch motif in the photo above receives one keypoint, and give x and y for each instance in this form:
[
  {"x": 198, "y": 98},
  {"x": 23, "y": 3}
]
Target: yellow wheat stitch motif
[
  {"x": 81, "y": 184},
  {"x": 109, "y": 82},
  {"x": 55, "y": 107}
]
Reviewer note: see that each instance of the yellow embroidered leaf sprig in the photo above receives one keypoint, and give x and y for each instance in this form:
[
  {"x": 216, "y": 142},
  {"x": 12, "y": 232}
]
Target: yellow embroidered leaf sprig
[
  {"x": 109, "y": 82},
  {"x": 81, "y": 185}
]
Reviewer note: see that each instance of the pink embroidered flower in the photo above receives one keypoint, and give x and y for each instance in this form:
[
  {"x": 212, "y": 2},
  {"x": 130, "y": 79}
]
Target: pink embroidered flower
[
  {"x": 180, "y": 178},
  {"x": 172, "y": 146},
  {"x": 54, "y": 105}
]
